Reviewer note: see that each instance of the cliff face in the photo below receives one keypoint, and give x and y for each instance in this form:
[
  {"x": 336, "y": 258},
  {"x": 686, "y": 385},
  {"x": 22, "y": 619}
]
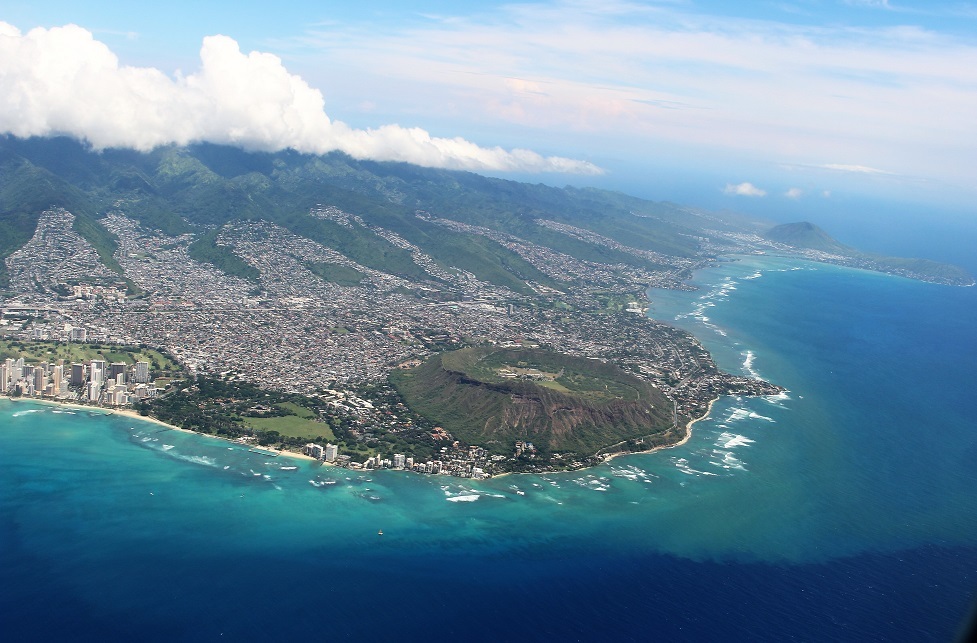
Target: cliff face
[{"x": 497, "y": 413}]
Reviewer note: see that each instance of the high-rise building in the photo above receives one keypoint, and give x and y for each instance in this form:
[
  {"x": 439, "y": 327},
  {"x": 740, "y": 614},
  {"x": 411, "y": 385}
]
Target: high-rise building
[
  {"x": 116, "y": 369},
  {"x": 142, "y": 372},
  {"x": 77, "y": 374},
  {"x": 79, "y": 334},
  {"x": 96, "y": 371},
  {"x": 399, "y": 461},
  {"x": 57, "y": 378},
  {"x": 331, "y": 452}
]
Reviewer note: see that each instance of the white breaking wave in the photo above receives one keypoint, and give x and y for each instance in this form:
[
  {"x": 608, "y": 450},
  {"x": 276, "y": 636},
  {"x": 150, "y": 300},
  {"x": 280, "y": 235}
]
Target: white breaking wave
[
  {"x": 777, "y": 400},
  {"x": 732, "y": 440},
  {"x": 683, "y": 465},
  {"x": 466, "y": 498},
  {"x": 748, "y": 362},
  {"x": 19, "y": 413},
  {"x": 199, "y": 459},
  {"x": 742, "y": 414},
  {"x": 633, "y": 473},
  {"x": 731, "y": 461}
]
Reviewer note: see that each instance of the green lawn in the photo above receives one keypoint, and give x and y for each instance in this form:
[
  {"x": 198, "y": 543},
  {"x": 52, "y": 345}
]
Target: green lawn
[
  {"x": 292, "y": 426},
  {"x": 41, "y": 351},
  {"x": 300, "y": 411}
]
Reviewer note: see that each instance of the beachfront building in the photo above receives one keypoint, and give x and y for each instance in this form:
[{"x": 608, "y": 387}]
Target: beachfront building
[
  {"x": 95, "y": 382},
  {"x": 330, "y": 453}
]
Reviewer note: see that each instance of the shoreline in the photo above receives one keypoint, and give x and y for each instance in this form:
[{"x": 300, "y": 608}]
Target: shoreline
[
  {"x": 684, "y": 440},
  {"x": 611, "y": 456},
  {"x": 129, "y": 413}
]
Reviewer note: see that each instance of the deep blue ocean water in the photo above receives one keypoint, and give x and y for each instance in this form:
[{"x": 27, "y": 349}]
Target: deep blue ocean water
[{"x": 844, "y": 510}]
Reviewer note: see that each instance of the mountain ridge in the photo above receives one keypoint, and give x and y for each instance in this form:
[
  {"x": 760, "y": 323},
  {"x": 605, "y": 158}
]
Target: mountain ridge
[{"x": 204, "y": 187}]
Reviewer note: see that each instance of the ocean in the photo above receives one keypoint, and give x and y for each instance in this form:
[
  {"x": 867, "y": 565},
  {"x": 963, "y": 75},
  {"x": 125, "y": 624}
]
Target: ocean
[{"x": 845, "y": 509}]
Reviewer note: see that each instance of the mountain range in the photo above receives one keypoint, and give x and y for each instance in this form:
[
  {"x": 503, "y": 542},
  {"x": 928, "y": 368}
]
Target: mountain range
[{"x": 201, "y": 188}]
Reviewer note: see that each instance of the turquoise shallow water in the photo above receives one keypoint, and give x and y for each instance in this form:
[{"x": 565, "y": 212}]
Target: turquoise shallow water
[{"x": 843, "y": 510}]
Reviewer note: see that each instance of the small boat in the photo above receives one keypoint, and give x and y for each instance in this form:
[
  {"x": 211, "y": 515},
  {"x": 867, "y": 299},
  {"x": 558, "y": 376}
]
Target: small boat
[{"x": 380, "y": 533}]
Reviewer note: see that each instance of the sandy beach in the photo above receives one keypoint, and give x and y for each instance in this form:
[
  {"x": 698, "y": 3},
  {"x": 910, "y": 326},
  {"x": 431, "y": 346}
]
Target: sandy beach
[{"x": 129, "y": 413}]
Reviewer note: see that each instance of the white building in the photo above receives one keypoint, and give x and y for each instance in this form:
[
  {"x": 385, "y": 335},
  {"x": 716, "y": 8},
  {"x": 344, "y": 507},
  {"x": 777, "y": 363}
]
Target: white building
[
  {"x": 313, "y": 450},
  {"x": 142, "y": 372},
  {"x": 331, "y": 452}
]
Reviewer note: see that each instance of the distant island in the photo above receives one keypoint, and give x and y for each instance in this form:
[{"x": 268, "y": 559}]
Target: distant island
[{"x": 384, "y": 314}]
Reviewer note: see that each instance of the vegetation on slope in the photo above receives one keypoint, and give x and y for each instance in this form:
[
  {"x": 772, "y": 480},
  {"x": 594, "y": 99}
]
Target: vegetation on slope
[
  {"x": 335, "y": 273},
  {"x": 203, "y": 186},
  {"x": 494, "y": 397},
  {"x": 206, "y": 250}
]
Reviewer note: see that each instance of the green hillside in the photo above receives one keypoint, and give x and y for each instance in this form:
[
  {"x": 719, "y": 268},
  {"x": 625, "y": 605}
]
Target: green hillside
[
  {"x": 206, "y": 186},
  {"x": 494, "y": 397},
  {"x": 203, "y": 187}
]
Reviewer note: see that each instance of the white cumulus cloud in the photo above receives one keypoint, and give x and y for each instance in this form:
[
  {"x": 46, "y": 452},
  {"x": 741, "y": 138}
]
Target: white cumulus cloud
[
  {"x": 744, "y": 189},
  {"x": 794, "y": 193},
  {"x": 62, "y": 81}
]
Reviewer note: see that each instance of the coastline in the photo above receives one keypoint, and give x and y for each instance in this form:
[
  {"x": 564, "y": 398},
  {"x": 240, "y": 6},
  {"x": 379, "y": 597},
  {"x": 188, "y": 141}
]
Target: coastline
[
  {"x": 129, "y": 413},
  {"x": 686, "y": 438}
]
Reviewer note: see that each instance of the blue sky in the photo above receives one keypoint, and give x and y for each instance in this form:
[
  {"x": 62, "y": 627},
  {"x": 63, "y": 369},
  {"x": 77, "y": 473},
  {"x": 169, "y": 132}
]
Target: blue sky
[{"x": 754, "y": 106}]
